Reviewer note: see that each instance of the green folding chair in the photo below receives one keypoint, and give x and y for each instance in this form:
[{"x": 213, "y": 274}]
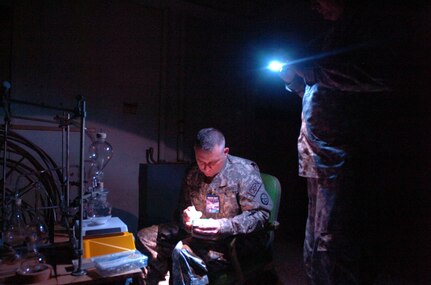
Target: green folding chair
[{"x": 254, "y": 267}]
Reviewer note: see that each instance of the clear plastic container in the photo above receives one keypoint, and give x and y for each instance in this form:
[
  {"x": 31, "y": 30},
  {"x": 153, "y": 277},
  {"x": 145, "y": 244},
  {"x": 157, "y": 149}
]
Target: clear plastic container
[{"x": 117, "y": 263}]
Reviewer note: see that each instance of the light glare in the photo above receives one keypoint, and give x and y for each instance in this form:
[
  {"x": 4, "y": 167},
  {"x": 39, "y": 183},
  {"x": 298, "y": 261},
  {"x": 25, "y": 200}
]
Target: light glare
[{"x": 275, "y": 66}]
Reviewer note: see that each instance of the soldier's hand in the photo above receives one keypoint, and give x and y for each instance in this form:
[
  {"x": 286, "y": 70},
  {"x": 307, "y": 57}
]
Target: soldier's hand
[
  {"x": 287, "y": 74},
  {"x": 190, "y": 214},
  {"x": 206, "y": 226}
]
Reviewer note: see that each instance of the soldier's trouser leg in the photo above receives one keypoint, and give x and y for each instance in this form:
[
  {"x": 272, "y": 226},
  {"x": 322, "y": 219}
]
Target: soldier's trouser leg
[
  {"x": 331, "y": 254},
  {"x": 158, "y": 242},
  {"x": 187, "y": 267}
]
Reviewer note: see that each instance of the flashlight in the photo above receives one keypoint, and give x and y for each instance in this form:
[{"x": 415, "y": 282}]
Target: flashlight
[{"x": 276, "y": 66}]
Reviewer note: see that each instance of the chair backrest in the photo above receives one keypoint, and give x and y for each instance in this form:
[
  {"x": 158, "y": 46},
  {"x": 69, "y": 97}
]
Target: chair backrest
[
  {"x": 246, "y": 268},
  {"x": 273, "y": 187}
]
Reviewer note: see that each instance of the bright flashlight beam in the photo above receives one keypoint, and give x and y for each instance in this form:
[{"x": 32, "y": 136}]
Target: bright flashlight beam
[{"x": 276, "y": 65}]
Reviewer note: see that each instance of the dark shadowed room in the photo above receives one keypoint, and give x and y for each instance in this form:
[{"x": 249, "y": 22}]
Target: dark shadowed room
[{"x": 215, "y": 142}]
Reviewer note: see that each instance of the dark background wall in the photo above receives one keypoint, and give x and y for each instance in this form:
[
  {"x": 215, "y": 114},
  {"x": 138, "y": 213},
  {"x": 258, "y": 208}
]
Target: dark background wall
[{"x": 154, "y": 72}]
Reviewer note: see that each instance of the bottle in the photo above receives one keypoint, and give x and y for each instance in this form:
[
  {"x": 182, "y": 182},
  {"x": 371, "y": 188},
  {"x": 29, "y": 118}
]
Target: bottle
[{"x": 100, "y": 153}]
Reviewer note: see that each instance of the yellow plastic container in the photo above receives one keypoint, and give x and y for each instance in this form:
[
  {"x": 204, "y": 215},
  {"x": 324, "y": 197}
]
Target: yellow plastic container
[{"x": 107, "y": 244}]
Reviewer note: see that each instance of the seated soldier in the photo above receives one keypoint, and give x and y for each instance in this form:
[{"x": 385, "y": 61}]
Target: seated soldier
[{"x": 222, "y": 196}]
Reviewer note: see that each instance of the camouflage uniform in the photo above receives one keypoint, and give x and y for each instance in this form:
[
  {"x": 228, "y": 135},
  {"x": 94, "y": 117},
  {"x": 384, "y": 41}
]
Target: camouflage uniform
[
  {"x": 244, "y": 204},
  {"x": 333, "y": 131},
  {"x": 244, "y": 208}
]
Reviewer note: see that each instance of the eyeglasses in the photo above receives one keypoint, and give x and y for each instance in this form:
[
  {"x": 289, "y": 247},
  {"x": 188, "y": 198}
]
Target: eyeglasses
[{"x": 210, "y": 164}]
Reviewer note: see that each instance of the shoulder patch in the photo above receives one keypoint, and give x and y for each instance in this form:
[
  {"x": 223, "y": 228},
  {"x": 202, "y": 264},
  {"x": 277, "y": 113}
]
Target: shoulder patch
[
  {"x": 264, "y": 198},
  {"x": 254, "y": 188}
]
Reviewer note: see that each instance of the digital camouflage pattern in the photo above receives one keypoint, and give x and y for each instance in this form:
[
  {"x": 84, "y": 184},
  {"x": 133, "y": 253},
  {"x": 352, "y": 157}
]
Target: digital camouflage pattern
[
  {"x": 244, "y": 209},
  {"x": 244, "y": 203},
  {"x": 337, "y": 93}
]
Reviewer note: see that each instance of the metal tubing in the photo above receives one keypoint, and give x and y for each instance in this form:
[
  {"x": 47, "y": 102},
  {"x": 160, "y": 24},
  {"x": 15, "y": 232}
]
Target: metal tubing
[
  {"x": 39, "y": 128},
  {"x": 67, "y": 163},
  {"x": 34, "y": 119},
  {"x": 40, "y": 105},
  {"x": 4, "y": 177}
]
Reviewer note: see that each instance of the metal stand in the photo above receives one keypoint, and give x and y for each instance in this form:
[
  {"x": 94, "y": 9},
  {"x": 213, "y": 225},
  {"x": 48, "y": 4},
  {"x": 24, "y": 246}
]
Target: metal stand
[
  {"x": 82, "y": 113},
  {"x": 78, "y": 113}
]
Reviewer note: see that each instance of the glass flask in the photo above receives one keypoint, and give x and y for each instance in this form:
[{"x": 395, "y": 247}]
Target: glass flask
[
  {"x": 33, "y": 261},
  {"x": 39, "y": 228},
  {"x": 100, "y": 153},
  {"x": 98, "y": 208},
  {"x": 16, "y": 230}
]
